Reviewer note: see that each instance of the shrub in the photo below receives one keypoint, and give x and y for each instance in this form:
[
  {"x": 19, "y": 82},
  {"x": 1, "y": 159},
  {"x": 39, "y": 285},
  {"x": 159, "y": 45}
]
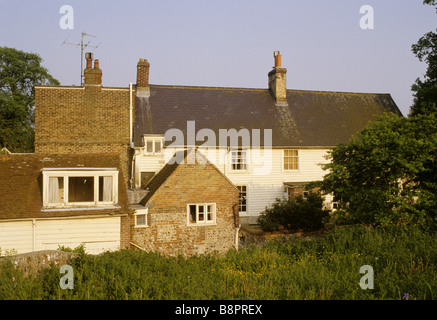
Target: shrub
[{"x": 296, "y": 213}]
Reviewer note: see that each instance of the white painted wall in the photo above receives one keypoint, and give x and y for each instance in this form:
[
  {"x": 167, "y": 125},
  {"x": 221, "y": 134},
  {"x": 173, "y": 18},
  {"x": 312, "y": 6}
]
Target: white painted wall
[
  {"x": 97, "y": 234},
  {"x": 264, "y": 179}
]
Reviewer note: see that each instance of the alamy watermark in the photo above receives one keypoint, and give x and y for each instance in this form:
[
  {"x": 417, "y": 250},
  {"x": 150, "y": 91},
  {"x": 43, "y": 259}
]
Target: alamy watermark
[
  {"x": 367, "y": 21},
  {"x": 67, "y": 20},
  {"x": 247, "y": 141},
  {"x": 366, "y": 281},
  {"x": 67, "y": 281}
]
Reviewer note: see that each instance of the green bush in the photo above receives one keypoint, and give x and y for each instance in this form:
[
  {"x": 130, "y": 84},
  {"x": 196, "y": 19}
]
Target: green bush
[
  {"x": 296, "y": 213},
  {"x": 326, "y": 267}
]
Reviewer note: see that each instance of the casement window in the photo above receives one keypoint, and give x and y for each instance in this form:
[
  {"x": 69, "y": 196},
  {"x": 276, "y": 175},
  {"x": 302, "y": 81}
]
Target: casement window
[
  {"x": 242, "y": 199},
  {"x": 153, "y": 145},
  {"x": 291, "y": 159},
  {"x": 239, "y": 159},
  {"x": 141, "y": 217},
  {"x": 80, "y": 188},
  {"x": 201, "y": 214}
]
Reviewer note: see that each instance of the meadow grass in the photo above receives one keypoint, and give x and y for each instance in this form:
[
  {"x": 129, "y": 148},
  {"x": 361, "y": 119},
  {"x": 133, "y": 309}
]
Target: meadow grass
[{"x": 325, "y": 267}]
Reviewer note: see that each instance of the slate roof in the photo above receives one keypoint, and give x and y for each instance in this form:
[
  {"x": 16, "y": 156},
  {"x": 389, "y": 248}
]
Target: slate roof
[
  {"x": 21, "y": 183},
  {"x": 312, "y": 118}
]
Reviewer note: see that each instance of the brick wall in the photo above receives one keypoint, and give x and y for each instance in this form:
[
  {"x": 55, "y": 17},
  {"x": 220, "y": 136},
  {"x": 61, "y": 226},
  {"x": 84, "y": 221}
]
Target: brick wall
[
  {"x": 82, "y": 120},
  {"x": 85, "y": 120},
  {"x": 168, "y": 231}
]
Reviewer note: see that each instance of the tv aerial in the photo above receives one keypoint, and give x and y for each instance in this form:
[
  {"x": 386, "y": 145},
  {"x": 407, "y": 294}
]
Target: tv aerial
[{"x": 82, "y": 47}]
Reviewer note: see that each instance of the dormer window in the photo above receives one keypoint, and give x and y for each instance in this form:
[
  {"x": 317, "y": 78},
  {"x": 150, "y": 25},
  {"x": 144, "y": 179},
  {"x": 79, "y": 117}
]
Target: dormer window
[
  {"x": 80, "y": 188},
  {"x": 153, "y": 144}
]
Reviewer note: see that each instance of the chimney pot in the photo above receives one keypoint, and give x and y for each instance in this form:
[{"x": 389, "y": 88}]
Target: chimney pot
[
  {"x": 89, "y": 56},
  {"x": 278, "y": 81},
  {"x": 96, "y": 64},
  {"x": 278, "y": 60}
]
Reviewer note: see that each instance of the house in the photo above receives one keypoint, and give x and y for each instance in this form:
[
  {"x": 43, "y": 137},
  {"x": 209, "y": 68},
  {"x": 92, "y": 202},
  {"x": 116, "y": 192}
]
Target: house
[
  {"x": 47, "y": 201},
  {"x": 268, "y": 142},
  {"x": 190, "y": 208}
]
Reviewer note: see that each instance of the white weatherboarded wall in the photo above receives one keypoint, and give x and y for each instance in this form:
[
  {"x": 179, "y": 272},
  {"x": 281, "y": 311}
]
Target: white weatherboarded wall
[
  {"x": 265, "y": 175},
  {"x": 97, "y": 234}
]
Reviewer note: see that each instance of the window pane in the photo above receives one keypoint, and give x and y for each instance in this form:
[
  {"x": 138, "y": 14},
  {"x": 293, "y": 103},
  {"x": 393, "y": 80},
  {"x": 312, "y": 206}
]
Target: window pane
[
  {"x": 149, "y": 146},
  {"x": 210, "y": 213},
  {"x": 201, "y": 213},
  {"x": 291, "y": 160},
  {"x": 238, "y": 159},
  {"x": 80, "y": 189},
  {"x": 157, "y": 146},
  {"x": 192, "y": 213},
  {"x": 56, "y": 190},
  {"x": 105, "y": 189},
  {"x": 141, "y": 220},
  {"x": 145, "y": 178},
  {"x": 242, "y": 198}
]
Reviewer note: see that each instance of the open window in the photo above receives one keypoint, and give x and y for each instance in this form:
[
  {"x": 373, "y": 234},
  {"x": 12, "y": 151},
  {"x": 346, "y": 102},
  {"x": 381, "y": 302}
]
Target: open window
[
  {"x": 201, "y": 214},
  {"x": 80, "y": 188}
]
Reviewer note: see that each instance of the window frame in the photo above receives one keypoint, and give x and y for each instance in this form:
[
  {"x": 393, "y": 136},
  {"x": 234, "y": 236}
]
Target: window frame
[
  {"x": 240, "y": 212},
  {"x": 142, "y": 212},
  {"x": 290, "y": 157},
  {"x": 94, "y": 173},
  {"x": 243, "y": 161},
  {"x": 154, "y": 140},
  {"x": 205, "y": 222}
]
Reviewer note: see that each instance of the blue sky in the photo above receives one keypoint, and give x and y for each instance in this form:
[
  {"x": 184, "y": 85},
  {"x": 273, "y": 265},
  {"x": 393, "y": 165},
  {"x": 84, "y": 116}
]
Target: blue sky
[{"x": 230, "y": 43}]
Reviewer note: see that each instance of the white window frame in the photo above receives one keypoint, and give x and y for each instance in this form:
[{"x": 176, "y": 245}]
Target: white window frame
[
  {"x": 154, "y": 140},
  {"x": 246, "y": 198},
  {"x": 243, "y": 161},
  {"x": 142, "y": 212},
  {"x": 93, "y": 173},
  {"x": 283, "y": 160},
  {"x": 205, "y": 222}
]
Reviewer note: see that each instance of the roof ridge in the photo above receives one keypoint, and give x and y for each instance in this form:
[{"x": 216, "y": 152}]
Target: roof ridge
[
  {"x": 266, "y": 89},
  {"x": 205, "y": 87}
]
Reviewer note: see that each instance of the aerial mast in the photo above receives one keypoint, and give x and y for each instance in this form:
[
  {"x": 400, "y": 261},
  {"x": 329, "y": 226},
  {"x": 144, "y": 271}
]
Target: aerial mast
[{"x": 82, "y": 47}]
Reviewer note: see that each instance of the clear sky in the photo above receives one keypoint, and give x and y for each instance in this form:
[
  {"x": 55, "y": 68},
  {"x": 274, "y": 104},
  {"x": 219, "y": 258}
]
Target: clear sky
[{"x": 230, "y": 43}]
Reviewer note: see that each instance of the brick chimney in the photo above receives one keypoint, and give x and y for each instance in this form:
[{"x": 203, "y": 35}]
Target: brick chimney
[
  {"x": 93, "y": 76},
  {"x": 278, "y": 81},
  {"x": 143, "y": 67}
]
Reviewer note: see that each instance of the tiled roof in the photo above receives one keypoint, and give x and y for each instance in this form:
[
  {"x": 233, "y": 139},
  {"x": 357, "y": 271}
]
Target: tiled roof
[
  {"x": 183, "y": 157},
  {"x": 312, "y": 118},
  {"x": 159, "y": 178},
  {"x": 21, "y": 183}
]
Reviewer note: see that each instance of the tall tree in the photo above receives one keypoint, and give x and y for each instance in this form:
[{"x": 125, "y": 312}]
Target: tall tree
[
  {"x": 19, "y": 73},
  {"x": 388, "y": 172},
  {"x": 425, "y": 91}
]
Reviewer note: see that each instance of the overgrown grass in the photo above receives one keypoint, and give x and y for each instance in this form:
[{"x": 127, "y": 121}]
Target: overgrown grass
[{"x": 319, "y": 268}]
